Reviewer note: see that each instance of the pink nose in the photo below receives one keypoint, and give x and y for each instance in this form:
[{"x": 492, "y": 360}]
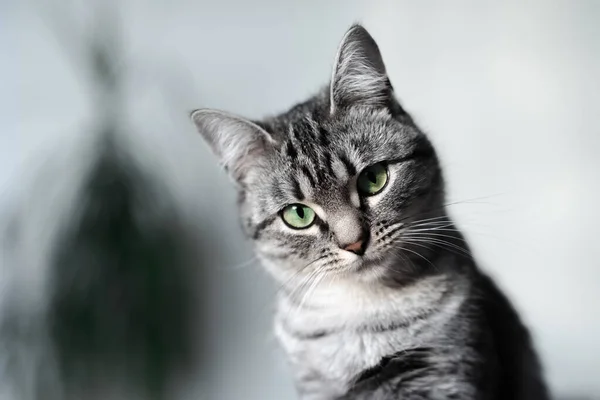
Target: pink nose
[{"x": 356, "y": 247}]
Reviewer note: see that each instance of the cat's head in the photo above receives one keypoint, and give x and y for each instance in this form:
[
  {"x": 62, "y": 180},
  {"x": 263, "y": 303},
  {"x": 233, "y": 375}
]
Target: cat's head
[{"x": 330, "y": 186}]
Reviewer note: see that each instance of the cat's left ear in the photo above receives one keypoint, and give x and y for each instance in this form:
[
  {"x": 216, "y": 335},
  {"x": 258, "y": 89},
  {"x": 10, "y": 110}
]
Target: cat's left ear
[
  {"x": 238, "y": 142},
  {"x": 359, "y": 75}
]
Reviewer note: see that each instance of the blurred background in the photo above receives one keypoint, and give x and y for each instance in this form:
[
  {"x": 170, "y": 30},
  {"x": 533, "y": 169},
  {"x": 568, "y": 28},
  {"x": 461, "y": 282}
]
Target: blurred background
[{"x": 508, "y": 92}]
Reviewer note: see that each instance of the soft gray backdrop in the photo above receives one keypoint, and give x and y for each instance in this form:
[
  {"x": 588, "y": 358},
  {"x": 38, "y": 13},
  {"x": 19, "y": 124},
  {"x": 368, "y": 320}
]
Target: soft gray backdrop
[{"x": 508, "y": 91}]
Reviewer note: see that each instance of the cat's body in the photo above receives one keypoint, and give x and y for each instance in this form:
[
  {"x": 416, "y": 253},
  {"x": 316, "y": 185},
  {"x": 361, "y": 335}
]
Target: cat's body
[
  {"x": 430, "y": 339},
  {"x": 380, "y": 297}
]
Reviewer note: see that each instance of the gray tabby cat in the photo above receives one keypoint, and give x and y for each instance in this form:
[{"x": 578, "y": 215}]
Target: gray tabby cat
[{"x": 343, "y": 197}]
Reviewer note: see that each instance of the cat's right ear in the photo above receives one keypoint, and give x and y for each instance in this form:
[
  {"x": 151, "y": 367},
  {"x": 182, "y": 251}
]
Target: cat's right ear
[{"x": 237, "y": 142}]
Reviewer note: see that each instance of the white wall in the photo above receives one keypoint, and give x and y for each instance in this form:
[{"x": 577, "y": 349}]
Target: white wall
[{"x": 507, "y": 90}]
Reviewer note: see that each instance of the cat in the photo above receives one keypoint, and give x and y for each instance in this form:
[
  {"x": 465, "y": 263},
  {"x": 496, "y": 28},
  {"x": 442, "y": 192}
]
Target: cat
[{"x": 380, "y": 298}]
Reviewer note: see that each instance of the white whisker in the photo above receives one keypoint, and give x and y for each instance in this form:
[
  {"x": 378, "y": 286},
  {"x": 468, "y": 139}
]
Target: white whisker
[
  {"x": 244, "y": 264},
  {"x": 440, "y": 243},
  {"x": 417, "y": 254},
  {"x": 435, "y": 234},
  {"x": 315, "y": 282}
]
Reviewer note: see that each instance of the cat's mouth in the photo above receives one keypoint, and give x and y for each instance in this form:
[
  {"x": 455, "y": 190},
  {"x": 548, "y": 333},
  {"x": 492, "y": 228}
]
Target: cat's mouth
[
  {"x": 376, "y": 261},
  {"x": 360, "y": 263}
]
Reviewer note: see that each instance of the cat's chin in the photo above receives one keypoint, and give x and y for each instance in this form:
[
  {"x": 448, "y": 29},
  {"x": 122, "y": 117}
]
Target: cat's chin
[{"x": 368, "y": 268}]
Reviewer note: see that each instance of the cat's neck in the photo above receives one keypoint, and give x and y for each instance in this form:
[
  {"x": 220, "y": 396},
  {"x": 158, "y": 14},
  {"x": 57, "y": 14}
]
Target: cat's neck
[{"x": 351, "y": 303}]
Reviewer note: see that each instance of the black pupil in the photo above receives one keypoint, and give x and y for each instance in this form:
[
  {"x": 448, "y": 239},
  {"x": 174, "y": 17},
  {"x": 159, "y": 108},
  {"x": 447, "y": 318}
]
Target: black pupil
[
  {"x": 372, "y": 176},
  {"x": 300, "y": 212}
]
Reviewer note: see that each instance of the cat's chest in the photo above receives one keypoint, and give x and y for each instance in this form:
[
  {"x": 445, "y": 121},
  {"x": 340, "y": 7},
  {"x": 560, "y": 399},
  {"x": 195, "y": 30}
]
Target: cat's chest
[
  {"x": 341, "y": 355},
  {"x": 330, "y": 346},
  {"x": 326, "y": 366}
]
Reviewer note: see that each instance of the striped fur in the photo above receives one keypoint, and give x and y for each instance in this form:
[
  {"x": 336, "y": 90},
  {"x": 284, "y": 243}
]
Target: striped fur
[{"x": 412, "y": 318}]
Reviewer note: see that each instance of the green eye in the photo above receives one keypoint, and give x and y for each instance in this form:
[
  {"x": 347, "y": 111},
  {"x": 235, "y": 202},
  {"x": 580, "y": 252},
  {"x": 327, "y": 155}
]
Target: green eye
[
  {"x": 372, "y": 179},
  {"x": 298, "y": 216}
]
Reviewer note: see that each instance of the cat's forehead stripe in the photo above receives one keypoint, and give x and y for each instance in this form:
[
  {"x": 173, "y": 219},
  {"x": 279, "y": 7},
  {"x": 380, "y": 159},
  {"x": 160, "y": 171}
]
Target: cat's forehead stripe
[
  {"x": 297, "y": 190},
  {"x": 328, "y": 162},
  {"x": 350, "y": 167},
  {"x": 323, "y": 137},
  {"x": 309, "y": 175},
  {"x": 291, "y": 150}
]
